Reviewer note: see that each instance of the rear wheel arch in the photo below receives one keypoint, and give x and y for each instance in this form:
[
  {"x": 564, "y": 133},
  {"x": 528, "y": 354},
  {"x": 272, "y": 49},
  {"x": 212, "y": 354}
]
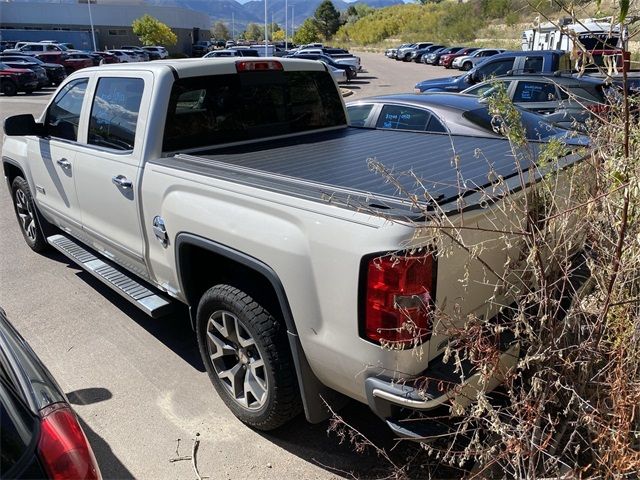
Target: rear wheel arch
[{"x": 202, "y": 263}]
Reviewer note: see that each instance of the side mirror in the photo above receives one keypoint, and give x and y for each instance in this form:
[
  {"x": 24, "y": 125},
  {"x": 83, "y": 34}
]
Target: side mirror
[{"x": 22, "y": 125}]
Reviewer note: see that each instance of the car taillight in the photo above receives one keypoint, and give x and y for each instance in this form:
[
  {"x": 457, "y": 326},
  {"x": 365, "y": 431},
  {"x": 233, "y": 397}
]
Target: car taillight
[
  {"x": 63, "y": 447},
  {"x": 399, "y": 299},
  {"x": 598, "y": 108},
  {"x": 253, "y": 65}
]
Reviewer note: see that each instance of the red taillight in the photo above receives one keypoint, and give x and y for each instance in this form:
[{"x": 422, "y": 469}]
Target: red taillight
[
  {"x": 257, "y": 65},
  {"x": 63, "y": 447},
  {"x": 598, "y": 108},
  {"x": 399, "y": 299}
]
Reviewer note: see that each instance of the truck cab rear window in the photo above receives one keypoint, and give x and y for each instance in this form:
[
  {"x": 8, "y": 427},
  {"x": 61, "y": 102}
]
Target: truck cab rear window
[{"x": 217, "y": 109}]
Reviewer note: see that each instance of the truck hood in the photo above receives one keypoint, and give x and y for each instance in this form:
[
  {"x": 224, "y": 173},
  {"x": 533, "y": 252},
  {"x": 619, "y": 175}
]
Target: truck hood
[{"x": 448, "y": 84}]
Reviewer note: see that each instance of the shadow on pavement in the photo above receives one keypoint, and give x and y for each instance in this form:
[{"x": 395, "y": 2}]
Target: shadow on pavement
[
  {"x": 174, "y": 330},
  {"x": 88, "y": 396},
  {"x": 110, "y": 465},
  {"x": 315, "y": 444}
]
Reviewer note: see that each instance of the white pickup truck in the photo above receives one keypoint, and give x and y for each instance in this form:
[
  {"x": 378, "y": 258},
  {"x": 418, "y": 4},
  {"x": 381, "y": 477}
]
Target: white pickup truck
[{"x": 237, "y": 188}]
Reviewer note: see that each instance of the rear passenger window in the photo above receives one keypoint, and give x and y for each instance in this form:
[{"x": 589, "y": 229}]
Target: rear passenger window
[
  {"x": 436, "y": 126},
  {"x": 63, "y": 116},
  {"x": 114, "y": 114},
  {"x": 403, "y": 118},
  {"x": 358, "y": 114},
  {"x": 535, "y": 92}
]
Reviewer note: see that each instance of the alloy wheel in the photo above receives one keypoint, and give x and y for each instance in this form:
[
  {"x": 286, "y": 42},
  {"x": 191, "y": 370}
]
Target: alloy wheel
[
  {"x": 25, "y": 215},
  {"x": 236, "y": 360}
]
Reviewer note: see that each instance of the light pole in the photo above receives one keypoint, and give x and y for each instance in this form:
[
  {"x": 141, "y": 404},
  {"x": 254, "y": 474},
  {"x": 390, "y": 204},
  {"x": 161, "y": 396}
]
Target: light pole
[
  {"x": 286, "y": 24},
  {"x": 266, "y": 42},
  {"x": 293, "y": 14},
  {"x": 93, "y": 33},
  {"x": 233, "y": 26}
]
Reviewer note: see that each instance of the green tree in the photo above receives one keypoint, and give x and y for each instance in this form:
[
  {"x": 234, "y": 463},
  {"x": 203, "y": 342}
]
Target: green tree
[
  {"x": 152, "y": 31},
  {"x": 278, "y": 36},
  {"x": 253, "y": 32},
  {"x": 220, "y": 31},
  {"x": 327, "y": 19},
  {"x": 307, "y": 32}
]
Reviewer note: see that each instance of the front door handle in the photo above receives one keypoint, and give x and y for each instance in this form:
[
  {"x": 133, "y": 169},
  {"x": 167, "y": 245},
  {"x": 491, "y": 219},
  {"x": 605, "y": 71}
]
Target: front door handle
[
  {"x": 122, "y": 181},
  {"x": 64, "y": 163}
]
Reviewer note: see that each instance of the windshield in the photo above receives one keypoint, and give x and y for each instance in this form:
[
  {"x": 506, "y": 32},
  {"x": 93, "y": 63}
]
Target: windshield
[{"x": 218, "y": 109}]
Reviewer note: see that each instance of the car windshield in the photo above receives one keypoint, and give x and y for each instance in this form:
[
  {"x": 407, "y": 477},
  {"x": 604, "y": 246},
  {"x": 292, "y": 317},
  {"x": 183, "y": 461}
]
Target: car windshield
[{"x": 3, "y": 66}]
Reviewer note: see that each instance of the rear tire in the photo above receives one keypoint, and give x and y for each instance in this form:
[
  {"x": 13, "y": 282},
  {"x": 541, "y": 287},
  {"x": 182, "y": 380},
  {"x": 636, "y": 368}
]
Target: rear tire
[
  {"x": 9, "y": 89},
  {"x": 246, "y": 353},
  {"x": 27, "y": 215}
]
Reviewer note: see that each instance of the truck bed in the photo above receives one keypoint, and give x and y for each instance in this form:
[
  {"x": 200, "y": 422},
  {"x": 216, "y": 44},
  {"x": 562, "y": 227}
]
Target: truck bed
[{"x": 333, "y": 165}]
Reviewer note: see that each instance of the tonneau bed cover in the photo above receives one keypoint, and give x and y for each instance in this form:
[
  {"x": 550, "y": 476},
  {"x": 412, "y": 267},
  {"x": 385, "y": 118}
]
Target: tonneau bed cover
[{"x": 334, "y": 165}]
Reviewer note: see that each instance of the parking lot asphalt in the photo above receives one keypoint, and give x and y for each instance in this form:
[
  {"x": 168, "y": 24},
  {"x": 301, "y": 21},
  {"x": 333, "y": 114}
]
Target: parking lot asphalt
[{"x": 138, "y": 384}]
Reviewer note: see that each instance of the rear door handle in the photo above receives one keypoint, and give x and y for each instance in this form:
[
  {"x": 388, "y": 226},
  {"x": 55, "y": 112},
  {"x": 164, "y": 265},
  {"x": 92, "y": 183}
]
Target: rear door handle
[
  {"x": 122, "y": 181},
  {"x": 64, "y": 163}
]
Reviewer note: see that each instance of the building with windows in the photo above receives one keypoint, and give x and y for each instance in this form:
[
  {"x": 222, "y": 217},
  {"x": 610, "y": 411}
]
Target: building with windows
[{"x": 112, "y": 19}]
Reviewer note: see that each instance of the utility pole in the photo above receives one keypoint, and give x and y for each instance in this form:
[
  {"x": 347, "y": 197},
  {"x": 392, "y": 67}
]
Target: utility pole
[
  {"x": 266, "y": 42},
  {"x": 93, "y": 33}
]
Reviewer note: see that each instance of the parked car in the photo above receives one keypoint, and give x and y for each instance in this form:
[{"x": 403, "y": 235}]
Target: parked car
[
  {"x": 122, "y": 56},
  {"x": 338, "y": 74},
  {"x": 404, "y": 52},
  {"x": 156, "y": 52},
  {"x": 76, "y": 61},
  {"x": 143, "y": 55},
  {"x": 425, "y": 57},
  {"x": 467, "y": 62},
  {"x": 391, "y": 52},
  {"x": 199, "y": 49},
  {"x": 236, "y": 52},
  {"x": 54, "y": 73},
  {"x": 41, "y": 436},
  {"x": 37, "y": 47},
  {"x": 350, "y": 71},
  {"x": 106, "y": 57},
  {"x": 445, "y": 113},
  {"x": 434, "y": 58},
  {"x": 563, "y": 100},
  {"x": 14, "y": 80},
  {"x": 344, "y": 58},
  {"x": 417, "y": 55},
  {"x": 41, "y": 73},
  {"x": 451, "y": 50},
  {"x": 50, "y": 57},
  {"x": 543, "y": 61},
  {"x": 447, "y": 59}
]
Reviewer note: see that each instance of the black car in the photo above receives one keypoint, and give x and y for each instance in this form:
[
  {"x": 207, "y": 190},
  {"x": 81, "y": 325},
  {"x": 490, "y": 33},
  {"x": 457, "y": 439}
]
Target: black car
[
  {"x": 350, "y": 70},
  {"x": 416, "y": 55},
  {"x": 40, "y": 436},
  {"x": 55, "y": 72},
  {"x": 41, "y": 73}
]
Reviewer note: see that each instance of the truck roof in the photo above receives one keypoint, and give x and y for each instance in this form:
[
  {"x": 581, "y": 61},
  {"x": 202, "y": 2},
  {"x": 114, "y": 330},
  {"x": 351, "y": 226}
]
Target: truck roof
[{"x": 193, "y": 67}]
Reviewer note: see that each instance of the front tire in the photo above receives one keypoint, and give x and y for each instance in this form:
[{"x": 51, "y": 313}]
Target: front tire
[
  {"x": 26, "y": 214},
  {"x": 466, "y": 66},
  {"x": 247, "y": 356}
]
